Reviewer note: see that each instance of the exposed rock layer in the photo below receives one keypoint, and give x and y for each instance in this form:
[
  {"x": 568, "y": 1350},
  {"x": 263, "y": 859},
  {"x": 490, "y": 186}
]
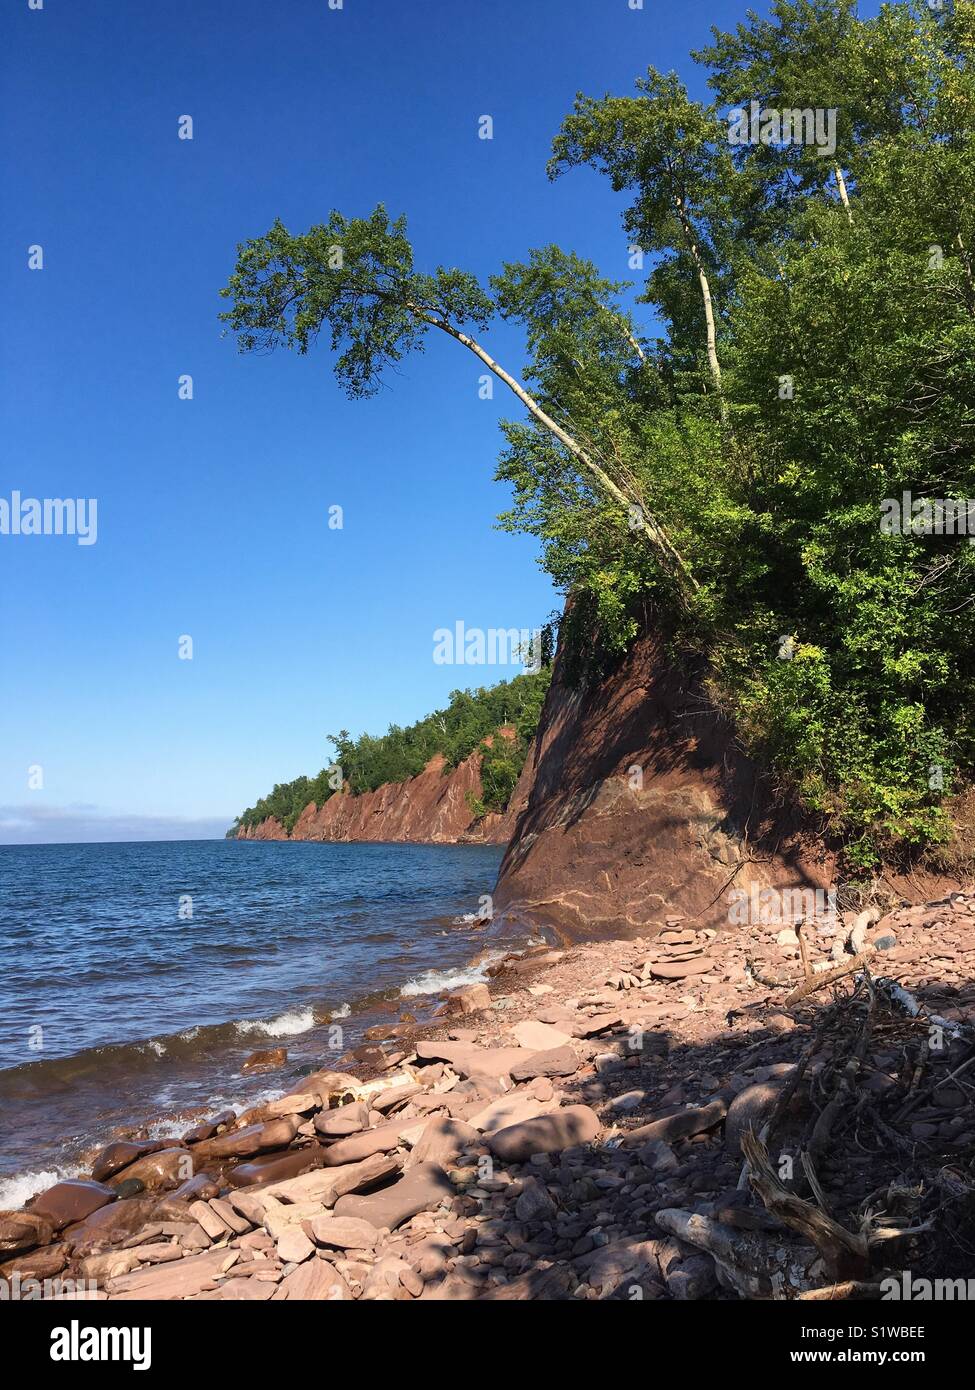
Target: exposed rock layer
[
  {"x": 432, "y": 808},
  {"x": 636, "y": 805}
]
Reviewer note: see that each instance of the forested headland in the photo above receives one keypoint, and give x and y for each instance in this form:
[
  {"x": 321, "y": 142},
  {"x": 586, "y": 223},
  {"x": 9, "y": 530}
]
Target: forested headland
[{"x": 472, "y": 716}]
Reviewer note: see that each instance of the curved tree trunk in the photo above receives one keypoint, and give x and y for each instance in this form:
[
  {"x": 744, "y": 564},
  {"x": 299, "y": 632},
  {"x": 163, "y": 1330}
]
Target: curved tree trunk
[{"x": 658, "y": 537}]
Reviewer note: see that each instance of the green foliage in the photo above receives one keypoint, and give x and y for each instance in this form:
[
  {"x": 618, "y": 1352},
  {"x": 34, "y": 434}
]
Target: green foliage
[
  {"x": 501, "y": 765},
  {"x": 847, "y": 346},
  {"x": 454, "y": 733},
  {"x": 355, "y": 277}
]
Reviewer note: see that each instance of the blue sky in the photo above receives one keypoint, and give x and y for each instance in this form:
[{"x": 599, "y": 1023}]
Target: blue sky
[{"x": 213, "y": 512}]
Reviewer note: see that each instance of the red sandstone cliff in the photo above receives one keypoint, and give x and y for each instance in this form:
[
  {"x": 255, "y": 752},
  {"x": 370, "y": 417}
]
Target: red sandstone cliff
[
  {"x": 636, "y": 805},
  {"x": 431, "y": 808}
]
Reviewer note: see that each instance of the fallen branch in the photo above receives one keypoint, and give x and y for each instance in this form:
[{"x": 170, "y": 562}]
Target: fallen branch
[
  {"x": 752, "y": 1264},
  {"x": 844, "y": 1254},
  {"x": 829, "y": 977},
  {"x": 849, "y": 1289}
]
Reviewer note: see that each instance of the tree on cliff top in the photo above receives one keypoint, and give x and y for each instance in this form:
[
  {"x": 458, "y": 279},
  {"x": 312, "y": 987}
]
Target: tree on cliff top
[{"x": 355, "y": 277}]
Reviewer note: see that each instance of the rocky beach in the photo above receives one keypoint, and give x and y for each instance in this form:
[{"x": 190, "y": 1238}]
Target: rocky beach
[{"x": 774, "y": 1112}]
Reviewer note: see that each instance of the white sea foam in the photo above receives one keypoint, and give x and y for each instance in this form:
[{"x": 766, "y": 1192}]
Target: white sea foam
[
  {"x": 18, "y": 1189},
  {"x": 284, "y": 1026},
  {"x": 434, "y": 981},
  {"x": 175, "y": 1125},
  {"x": 342, "y": 1012}
]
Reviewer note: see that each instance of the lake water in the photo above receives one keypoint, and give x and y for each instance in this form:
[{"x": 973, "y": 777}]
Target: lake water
[{"x": 135, "y": 979}]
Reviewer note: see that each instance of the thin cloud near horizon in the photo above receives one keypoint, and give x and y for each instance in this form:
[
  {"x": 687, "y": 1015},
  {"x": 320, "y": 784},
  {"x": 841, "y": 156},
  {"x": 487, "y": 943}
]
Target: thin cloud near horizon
[{"x": 79, "y": 824}]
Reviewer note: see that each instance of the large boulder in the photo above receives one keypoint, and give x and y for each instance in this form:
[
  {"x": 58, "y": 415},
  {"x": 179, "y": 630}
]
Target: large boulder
[
  {"x": 23, "y": 1230},
  {"x": 554, "y": 1061},
  {"x": 752, "y": 1107},
  {"x": 356, "y": 1147},
  {"x": 165, "y": 1168},
  {"x": 343, "y": 1121},
  {"x": 277, "y": 1167},
  {"x": 114, "y": 1157},
  {"x": 423, "y": 1188},
  {"x": 243, "y": 1143},
  {"x": 71, "y": 1201},
  {"x": 110, "y": 1224},
  {"x": 442, "y": 1141},
  {"x": 545, "y": 1134}
]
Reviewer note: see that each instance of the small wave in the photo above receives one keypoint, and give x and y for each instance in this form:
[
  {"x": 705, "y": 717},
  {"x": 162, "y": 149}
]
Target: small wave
[
  {"x": 286, "y": 1025},
  {"x": 176, "y": 1123},
  {"x": 21, "y": 1187},
  {"x": 434, "y": 981},
  {"x": 342, "y": 1012}
]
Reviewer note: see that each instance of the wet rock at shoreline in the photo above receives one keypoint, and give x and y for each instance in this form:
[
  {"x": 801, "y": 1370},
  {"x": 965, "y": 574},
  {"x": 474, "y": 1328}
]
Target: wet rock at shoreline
[
  {"x": 162, "y": 1168},
  {"x": 200, "y": 1185},
  {"x": 277, "y": 1167},
  {"x": 266, "y": 1059},
  {"x": 207, "y": 1129},
  {"x": 109, "y": 1224},
  {"x": 70, "y": 1201},
  {"x": 23, "y": 1230},
  {"x": 119, "y": 1155},
  {"x": 243, "y": 1143}
]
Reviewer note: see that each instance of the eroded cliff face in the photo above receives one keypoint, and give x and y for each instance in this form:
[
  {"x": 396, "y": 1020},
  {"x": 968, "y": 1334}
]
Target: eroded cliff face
[
  {"x": 431, "y": 808},
  {"x": 636, "y": 805}
]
